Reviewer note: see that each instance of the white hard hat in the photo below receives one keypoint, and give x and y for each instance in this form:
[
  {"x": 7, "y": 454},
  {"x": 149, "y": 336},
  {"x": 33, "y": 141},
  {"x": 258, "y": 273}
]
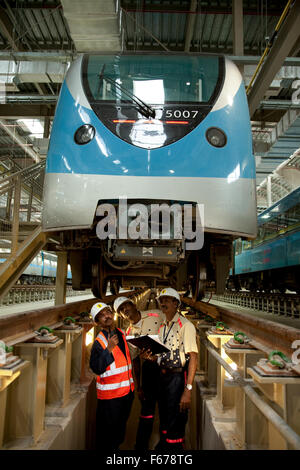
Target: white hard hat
[
  {"x": 96, "y": 308},
  {"x": 169, "y": 292},
  {"x": 121, "y": 300}
]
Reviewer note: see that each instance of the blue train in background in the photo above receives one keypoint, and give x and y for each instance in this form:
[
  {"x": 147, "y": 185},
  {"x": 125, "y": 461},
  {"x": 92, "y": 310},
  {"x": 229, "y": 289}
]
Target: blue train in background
[
  {"x": 152, "y": 128},
  {"x": 271, "y": 262},
  {"x": 41, "y": 270}
]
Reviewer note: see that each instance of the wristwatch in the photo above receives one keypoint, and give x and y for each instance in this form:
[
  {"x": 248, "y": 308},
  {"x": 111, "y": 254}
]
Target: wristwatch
[{"x": 189, "y": 386}]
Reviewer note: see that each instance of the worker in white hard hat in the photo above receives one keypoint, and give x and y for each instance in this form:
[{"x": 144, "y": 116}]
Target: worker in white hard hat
[
  {"x": 110, "y": 361},
  {"x": 146, "y": 372},
  {"x": 177, "y": 371}
]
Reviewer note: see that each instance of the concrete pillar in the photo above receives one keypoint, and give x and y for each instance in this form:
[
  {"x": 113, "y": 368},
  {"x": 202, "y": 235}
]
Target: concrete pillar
[{"x": 61, "y": 278}]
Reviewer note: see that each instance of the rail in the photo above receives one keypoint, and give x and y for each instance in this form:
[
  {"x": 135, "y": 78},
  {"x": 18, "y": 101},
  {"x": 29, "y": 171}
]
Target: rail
[
  {"x": 248, "y": 407},
  {"x": 269, "y": 334},
  {"x": 289, "y": 434},
  {"x": 287, "y": 305},
  {"x": 53, "y": 389}
]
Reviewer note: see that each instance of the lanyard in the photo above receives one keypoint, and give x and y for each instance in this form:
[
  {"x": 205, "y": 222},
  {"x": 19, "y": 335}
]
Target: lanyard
[{"x": 166, "y": 337}]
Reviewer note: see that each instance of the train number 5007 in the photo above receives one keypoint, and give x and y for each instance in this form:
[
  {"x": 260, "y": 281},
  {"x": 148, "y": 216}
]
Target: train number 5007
[{"x": 177, "y": 113}]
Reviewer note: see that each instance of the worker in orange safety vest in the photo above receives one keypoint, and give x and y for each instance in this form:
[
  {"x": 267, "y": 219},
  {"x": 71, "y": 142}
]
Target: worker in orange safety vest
[{"x": 110, "y": 361}]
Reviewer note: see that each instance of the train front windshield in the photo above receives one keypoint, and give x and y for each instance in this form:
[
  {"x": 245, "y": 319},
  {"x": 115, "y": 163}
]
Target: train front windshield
[
  {"x": 154, "y": 79},
  {"x": 152, "y": 100}
]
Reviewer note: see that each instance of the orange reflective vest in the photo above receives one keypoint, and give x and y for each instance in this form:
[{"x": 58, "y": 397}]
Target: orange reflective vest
[{"x": 117, "y": 380}]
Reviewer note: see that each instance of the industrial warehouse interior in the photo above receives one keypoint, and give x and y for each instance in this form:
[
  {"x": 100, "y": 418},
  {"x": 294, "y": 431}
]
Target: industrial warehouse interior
[{"x": 149, "y": 190}]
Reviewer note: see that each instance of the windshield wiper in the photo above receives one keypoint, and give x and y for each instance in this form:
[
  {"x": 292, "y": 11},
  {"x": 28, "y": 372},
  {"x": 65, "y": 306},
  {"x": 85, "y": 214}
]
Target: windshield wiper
[
  {"x": 144, "y": 108},
  {"x": 101, "y": 79}
]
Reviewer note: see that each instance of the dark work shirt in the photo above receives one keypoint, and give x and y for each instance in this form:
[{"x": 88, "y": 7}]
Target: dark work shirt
[{"x": 102, "y": 358}]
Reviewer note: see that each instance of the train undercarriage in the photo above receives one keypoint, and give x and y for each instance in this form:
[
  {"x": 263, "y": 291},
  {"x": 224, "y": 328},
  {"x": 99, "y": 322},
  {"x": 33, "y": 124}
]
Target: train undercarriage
[{"x": 146, "y": 263}]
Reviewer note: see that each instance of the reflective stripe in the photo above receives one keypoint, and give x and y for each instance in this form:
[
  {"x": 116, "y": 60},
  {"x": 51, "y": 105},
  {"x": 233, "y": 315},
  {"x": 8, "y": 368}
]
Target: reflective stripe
[
  {"x": 147, "y": 417},
  {"x": 179, "y": 323},
  {"x": 115, "y": 370},
  {"x": 153, "y": 315},
  {"x": 164, "y": 432},
  {"x": 174, "y": 441},
  {"x": 125, "y": 383},
  {"x": 102, "y": 338}
]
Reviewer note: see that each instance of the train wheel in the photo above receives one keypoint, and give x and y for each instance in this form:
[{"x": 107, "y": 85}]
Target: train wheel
[
  {"x": 197, "y": 283},
  {"x": 114, "y": 287},
  {"x": 237, "y": 286},
  {"x": 199, "y": 291},
  {"x": 99, "y": 293}
]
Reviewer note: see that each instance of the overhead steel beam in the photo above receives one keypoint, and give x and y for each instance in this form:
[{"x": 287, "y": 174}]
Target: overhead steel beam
[
  {"x": 238, "y": 29},
  {"x": 31, "y": 99},
  {"x": 8, "y": 30},
  {"x": 16, "y": 111},
  {"x": 254, "y": 59},
  {"x": 18, "y": 28},
  {"x": 190, "y": 25},
  {"x": 279, "y": 104},
  {"x": 207, "y": 8},
  {"x": 56, "y": 56},
  {"x": 286, "y": 39}
]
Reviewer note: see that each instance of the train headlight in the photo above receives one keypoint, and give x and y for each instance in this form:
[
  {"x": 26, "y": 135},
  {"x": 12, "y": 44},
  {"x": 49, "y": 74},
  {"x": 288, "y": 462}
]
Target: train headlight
[
  {"x": 216, "y": 137},
  {"x": 84, "y": 134}
]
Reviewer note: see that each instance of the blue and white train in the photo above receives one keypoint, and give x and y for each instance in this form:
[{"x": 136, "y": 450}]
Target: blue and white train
[
  {"x": 151, "y": 128},
  {"x": 41, "y": 270},
  {"x": 271, "y": 262}
]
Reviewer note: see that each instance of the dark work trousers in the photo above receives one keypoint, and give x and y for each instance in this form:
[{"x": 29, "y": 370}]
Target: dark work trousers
[
  {"x": 172, "y": 420},
  {"x": 150, "y": 378},
  {"x": 112, "y": 416}
]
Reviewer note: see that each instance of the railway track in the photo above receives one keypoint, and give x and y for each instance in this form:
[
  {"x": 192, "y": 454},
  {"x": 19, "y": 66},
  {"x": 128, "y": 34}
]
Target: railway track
[
  {"x": 259, "y": 402},
  {"x": 264, "y": 335},
  {"x": 287, "y": 305}
]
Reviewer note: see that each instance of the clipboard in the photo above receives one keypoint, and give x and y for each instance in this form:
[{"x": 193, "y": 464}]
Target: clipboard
[{"x": 151, "y": 342}]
